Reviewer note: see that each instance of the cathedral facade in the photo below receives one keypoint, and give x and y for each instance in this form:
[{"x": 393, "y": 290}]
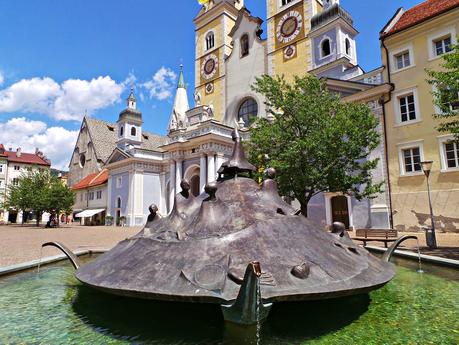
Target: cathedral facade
[{"x": 304, "y": 36}]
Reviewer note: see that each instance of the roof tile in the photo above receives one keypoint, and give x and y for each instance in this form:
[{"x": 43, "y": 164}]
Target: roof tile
[
  {"x": 419, "y": 13},
  {"x": 26, "y": 158},
  {"x": 92, "y": 180}
]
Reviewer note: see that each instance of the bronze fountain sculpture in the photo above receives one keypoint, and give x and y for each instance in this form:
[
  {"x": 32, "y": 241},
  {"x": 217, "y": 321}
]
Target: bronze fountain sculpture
[{"x": 238, "y": 245}]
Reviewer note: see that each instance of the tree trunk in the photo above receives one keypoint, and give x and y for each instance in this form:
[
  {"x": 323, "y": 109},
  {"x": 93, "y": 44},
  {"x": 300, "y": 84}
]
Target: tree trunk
[
  {"x": 304, "y": 209},
  {"x": 38, "y": 219}
]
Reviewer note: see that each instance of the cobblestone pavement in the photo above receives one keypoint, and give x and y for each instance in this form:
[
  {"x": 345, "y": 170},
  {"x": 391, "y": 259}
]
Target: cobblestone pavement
[
  {"x": 21, "y": 244},
  {"x": 448, "y": 244}
]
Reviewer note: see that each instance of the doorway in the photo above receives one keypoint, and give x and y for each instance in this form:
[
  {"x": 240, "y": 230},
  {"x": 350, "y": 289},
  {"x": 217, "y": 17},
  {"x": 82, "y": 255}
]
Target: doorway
[
  {"x": 340, "y": 210},
  {"x": 194, "y": 183}
]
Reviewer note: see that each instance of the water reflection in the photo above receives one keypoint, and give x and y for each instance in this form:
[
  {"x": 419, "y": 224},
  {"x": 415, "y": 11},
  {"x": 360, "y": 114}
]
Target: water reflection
[{"x": 152, "y": 322}]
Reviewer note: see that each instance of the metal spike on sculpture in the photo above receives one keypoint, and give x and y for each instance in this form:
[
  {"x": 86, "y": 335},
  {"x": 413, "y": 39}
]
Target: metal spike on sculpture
[{"x": 238, "y": 245}]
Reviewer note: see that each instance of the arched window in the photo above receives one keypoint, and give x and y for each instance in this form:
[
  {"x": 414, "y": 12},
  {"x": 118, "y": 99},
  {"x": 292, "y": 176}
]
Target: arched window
[
  {"x": 82, "y": 160},
  {"x": 121, "y": 131},
  {"x": 248, "y": 111},
  {"x": 326, "y": 49},
  {"x": 348, "y": 46},
  {"x": 210, "y": 40},
  {"x": 244, "y": 45},
  {"x": 133, "y": 131},
  {"x": 118, "y": 202}
]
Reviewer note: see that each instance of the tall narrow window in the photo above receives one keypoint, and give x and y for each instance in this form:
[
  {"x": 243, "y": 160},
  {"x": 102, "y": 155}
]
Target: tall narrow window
[
  {"x": 118, "y": 202},
  {"x": 133, "y": 132},
  {"x": 451, "y": 154},
  {"x": 326, "y": 49},
  {"x": 210, "y": 40},
  {"x": 412, "y": 160},
  {"x": 121, "y": 131},
  {"x": 348, "y": 46},
  {"x": 407, "y": 108},
  {"x": 244, "y": 45}
]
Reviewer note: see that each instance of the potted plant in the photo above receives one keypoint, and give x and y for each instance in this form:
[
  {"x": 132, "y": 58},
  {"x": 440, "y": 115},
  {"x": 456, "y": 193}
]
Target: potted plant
[
  {"x": 122, "y": 221},
  {"x": 108, "y": 220}
]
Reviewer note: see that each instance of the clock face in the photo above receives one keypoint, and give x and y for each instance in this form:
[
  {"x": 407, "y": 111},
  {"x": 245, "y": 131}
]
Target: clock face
[
  {"x": 209, "y": 66},
  {"x": 289, "y": 26},
  {"x": 289, "y": 52}
]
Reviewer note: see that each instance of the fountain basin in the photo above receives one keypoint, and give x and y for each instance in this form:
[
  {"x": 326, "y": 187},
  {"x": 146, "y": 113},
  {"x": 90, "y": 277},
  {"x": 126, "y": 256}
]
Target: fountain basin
[{"x": 55, "y": 308}]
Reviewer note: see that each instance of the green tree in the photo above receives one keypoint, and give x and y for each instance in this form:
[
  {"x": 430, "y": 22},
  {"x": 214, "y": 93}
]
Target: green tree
[
  {"x": 19, "y": 196},
  {"x": 40, "y": 192},
  {"x": 316, "y": 142},
  {"x": 58, "y": 197},
  {"x": 446, "y": 94}
]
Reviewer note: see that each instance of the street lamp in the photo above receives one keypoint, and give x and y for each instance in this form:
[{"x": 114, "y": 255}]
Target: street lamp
[{"x": 430, "y": 233}]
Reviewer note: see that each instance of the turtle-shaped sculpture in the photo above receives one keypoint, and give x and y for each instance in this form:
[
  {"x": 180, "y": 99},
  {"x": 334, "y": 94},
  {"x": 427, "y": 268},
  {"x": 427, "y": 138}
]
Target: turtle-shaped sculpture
[{"x": 239, "y": 245}]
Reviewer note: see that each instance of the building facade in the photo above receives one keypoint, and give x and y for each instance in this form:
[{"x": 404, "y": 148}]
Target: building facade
[
  {"x": 413, "y": 41},
  {"x": 13, "y": 164},
  {"x": 304, "y": 36}
]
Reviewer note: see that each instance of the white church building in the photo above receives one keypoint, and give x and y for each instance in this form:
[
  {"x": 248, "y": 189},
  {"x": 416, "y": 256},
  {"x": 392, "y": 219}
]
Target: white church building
[{"x": 304, "y": 36}]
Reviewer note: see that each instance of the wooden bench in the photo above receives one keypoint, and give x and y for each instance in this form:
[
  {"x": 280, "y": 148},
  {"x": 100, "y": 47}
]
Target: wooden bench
[{"x": 380, "y": 235}]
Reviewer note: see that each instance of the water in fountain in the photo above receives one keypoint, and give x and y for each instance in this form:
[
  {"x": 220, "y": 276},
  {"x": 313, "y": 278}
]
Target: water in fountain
[
  {"x": 258, "y": 319},
  {"x": 39, "y": 261},
  {"x": 419, "y": 258}
]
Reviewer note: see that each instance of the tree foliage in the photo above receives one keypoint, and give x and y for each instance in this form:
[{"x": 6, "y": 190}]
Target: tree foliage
[
  {"x": 316, "y": 142},
  {"x": 38, "y": 191},
  {"x": 446, "y": 93}
]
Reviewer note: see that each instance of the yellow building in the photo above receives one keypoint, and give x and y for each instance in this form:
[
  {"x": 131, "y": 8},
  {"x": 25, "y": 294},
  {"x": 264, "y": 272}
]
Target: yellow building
[
  {"x": 289, "y": 48},
  {"x": 413, "y": 41},
  {"x": 213, "y": 44}
]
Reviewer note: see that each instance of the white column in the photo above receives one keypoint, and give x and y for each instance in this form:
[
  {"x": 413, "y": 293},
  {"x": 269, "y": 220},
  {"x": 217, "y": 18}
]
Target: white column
[
  {"x": 202, "y": 173},
  {"x": 210, "y": 167},
  {"x": 219, "y": 161},
  {"x": 108, "y": 203},
  {"x": 172, "y": 185},
  {"x": 178, "y": 175}
]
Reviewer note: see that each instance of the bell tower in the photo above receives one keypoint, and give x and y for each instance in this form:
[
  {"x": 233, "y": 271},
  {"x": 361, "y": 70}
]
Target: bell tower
[
  {"x": 289, "y": 23},
  {"x": 129, "y": 125},
  {"x": 213, "y": 44}
]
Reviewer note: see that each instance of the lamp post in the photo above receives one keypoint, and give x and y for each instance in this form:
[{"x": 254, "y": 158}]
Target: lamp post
[{"x": 430, "y": 233}]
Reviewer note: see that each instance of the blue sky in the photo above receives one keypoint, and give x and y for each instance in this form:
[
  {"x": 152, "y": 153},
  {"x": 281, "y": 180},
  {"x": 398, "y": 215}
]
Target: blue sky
[{"x": 60, "y": 58}]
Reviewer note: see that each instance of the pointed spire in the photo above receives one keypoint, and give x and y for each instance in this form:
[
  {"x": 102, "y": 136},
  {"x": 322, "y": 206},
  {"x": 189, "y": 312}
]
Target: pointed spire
[
  {"x": 181, "y": 105},
  {"x": 181, "y": 82}
]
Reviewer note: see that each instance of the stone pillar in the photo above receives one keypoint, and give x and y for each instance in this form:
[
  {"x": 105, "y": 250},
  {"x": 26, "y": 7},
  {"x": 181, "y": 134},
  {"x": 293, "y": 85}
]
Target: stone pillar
[
  {"x": 210, "y": 167},
  {"x": 202, "y": 173},
  {"x": 219, "y": 161},
  {"x": 172, "y": 185},
  {"x": 178, "y": 175}
]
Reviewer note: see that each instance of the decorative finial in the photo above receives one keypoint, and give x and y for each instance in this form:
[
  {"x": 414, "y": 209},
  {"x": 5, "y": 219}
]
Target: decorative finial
[
  {"x": 181, "y": 82},
  {"x": 238, "y": 163}
]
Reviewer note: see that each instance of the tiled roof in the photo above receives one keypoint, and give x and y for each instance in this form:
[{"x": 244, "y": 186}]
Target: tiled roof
[
  {"x": 419, "y": 13},
  {"x": 103, "y": 135},
  {"x": 92, "y": 180},
  {"x": 26, "y": 158},
  {"x": 2, "y": 151}
]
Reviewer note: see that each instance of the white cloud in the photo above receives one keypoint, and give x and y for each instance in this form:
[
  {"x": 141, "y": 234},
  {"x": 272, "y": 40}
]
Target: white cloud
[
  {"x": 162, "y": 84},
  {"x": 56, "y": 143},
  {"x": 66, "y": 101},
  {"x": 2, "y": 78}
]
